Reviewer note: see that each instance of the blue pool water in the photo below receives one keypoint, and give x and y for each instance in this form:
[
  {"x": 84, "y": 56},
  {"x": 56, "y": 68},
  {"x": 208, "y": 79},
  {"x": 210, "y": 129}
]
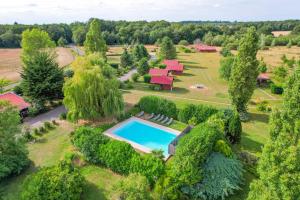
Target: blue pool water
[{"x": 145, "y": 135}]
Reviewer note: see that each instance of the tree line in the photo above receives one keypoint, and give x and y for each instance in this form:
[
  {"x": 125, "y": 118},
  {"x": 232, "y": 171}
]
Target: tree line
[{"x": 123, "y": 32}]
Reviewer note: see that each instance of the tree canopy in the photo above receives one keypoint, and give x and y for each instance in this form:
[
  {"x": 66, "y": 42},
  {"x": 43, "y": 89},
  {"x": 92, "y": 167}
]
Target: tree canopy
[{"x": 167, "y": 49}]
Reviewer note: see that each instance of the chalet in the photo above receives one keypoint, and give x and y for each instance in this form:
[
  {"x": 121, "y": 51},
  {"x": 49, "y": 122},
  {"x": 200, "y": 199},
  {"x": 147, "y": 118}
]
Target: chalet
[
  {"x": 165, "y": 82},
  {"x": 16, "y": 101},
  {"x": 175, "y": 69},
  {"x": 158, "y": 72},
  {"x": 263, "y": 78},
  {"x": 205, "y": 48},
  {"x": 171, "y": 62}
]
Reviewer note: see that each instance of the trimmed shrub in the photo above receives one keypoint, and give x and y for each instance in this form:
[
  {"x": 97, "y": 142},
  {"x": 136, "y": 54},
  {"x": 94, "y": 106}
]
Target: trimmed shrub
[
  {"x": 275, "y": 89},
  {"x": 148, "y": 165},
  {"x": 222, "y": 177},
  {"x": 200, "y": 113},
  {"x": 58, "y": 182},
  {"x": 135, "y": 77},
  {"x": 117, "y": 156},
  {"x": 222, "y": 147},
  {"x": 154, "y": 104},
  {"x": 87, "y": 140},
  {"x": 147, "y": 78}
]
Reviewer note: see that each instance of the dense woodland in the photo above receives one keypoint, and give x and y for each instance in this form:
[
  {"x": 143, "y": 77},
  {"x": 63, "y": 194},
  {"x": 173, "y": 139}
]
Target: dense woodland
[{"x": 123, "y": 32}]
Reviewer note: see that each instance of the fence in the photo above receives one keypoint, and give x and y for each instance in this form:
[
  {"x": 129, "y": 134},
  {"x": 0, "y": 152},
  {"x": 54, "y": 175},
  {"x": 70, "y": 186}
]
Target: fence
[{"x": 173, "y": 144}]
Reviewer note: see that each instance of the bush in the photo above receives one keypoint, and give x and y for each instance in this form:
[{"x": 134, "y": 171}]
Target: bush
[
  {"x": 162, "y": 66},
  {"x": 18, "y": 90},
  {"x": 48, "y": 126},
  {"x": 58, "y": 182},
  {"x": 133, "y": 187},
  {"x": 222, "y": 147},
  {"x": 154, "y": 104},
  {"x": 275, "y": 89},
  {"x": 155, "y": 87},
  {"x": 225, "y": 51},
  {"x": 222, "y": 177},
  {"x": 148, "y": 165},
  {"x": 42, "y": 130},
  {"x": 262, "y": 68},
  {"x": 131, "y": 112},
  {"x": 87, "y": 140},
  {"x": 68, "y": 73},
  {"x": 200, "y": 113},
  {"x": 263, "y": 106},
  {"x": 117, "y": 156},
  {"x": 135, "y": 77},
  {"x": 63, "y": 116},
  {"x": 147, "y": 78},
  {"x": 225, "y": 68},
  {"x": 114, "y": 65},
  {"x": 143, "y": 66},
  {"x": 183, "y": 42}
]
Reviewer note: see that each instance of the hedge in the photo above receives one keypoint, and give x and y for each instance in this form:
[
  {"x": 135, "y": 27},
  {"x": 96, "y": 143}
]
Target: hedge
[
  {"x": 199, "y": 113},
  {"x": 157, "y": 105}
]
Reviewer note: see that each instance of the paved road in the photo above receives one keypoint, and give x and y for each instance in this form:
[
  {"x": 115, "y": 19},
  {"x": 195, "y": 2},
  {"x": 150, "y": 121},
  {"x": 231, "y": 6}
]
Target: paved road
[
  {"x": 48, "y": 116},
  {"x": 128, "y": 75}
]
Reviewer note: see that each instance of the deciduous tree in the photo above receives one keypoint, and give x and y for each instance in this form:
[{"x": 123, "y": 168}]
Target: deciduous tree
[{"x": 167, "y": 49}]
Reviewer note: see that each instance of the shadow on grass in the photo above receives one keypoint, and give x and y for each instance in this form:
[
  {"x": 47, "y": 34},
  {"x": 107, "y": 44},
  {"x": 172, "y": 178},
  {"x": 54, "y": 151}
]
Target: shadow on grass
[
  {"x": 187, "y": 74},
  {"x": 178, "y": 90},
  {"x": 194, "y": 67},
  {"x": 92, "y": 192},
  {"x": 250, "y": 144},
  {"x": 188, "y": 62},
  {"x": 261, "y": 117}
]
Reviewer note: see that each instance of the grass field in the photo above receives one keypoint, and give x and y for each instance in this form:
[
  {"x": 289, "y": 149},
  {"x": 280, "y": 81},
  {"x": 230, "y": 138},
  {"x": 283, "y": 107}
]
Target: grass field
[
  {"x": 51, "y": 148},
  {"x": 10, "y": 62}
]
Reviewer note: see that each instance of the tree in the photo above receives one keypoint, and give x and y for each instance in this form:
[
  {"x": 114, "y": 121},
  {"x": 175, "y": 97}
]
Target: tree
[
  {"x": 133, "y": 187},
  {"x": 94, "y": 41},
  {"x": 3, "y": 83},
  {"x": 33, "y": 41},
  {"x": 226, "y": 67},
  {"x": 13, "y": 154},
  {"x": 91, "y": 93},
  {"x": 143, "y": 66},
  {"x": 242, "y": 81},
  {"x": 58, "y": 182},
  {"x": 126, "y": 59},
  {"x": 62, "y": 42},
  {"x": 79, "y": 35},
  {"x": 167, "y": 49},
  {"x": 42, "y": 79},
  {"x": 139, "y": 52}
]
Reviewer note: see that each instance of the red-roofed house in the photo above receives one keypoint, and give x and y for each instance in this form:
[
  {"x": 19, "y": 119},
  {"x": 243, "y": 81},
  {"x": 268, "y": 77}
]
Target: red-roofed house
[
  {"x": 263, "y": 78},
  {"x": 205, "y": 48},
  {"x": 17, "y": 101},
  {"x": 175, "y": 69},
  {"x": 158, "y": 72},
  {"x": 171, "y": 62},
  {"x": 166, "y": 82}
]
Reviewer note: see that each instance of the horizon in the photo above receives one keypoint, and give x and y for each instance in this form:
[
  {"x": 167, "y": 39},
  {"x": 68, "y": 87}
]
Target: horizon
[{"x": 55, "y": 11}]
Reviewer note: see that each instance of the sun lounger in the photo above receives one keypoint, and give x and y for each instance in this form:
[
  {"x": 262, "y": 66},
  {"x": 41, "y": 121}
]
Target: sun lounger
[
  {"x": 165, "y": 120},
  {"x": 140, "y": 114},
  {"x": 161, "y": 118},
  {"x": 170, "y": 122},
  {"x": 151, "y": 116},
  {"x": 156, "y": 117}
]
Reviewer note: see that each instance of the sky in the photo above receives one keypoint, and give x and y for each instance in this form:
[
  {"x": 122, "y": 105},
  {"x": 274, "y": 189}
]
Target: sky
[{"x": 66, "y": 11}]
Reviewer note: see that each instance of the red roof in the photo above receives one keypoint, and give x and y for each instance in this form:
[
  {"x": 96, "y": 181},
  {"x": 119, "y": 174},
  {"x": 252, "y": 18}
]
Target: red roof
[
  {"x": 178, "y": 67},
  {"x": 15, "y": 100},
  {"x": 162, "y": 80},
  {"x": 264, "y": 76},
  {"x": 203, "y": 47},
  {"x": 171, "y": 62},
  {"x": 158, "y": 72}
]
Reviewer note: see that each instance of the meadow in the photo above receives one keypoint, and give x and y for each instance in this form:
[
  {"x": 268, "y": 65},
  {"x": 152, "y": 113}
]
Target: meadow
[{"x": 11, "y": 66}]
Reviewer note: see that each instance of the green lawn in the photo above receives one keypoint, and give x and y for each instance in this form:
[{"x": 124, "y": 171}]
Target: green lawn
[{"x": 51, "y": 148}]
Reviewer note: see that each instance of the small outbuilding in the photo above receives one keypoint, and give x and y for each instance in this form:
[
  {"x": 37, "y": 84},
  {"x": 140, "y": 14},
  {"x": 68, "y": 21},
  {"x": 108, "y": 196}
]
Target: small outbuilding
[
  {"x": 16, "y": 101},
  {"x": 166, "y": 82},
  {"x": 175, "y": 69},
  {"x": 171, "y": 62},
  {"x": 205, "y": 48},
  {"x": 263, "y": 79},
  {"x": 158, "y": 72}
]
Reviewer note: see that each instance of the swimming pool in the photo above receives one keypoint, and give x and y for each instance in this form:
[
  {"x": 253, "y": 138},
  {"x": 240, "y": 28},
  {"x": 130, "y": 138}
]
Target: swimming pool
[{"x": 143, "y": 135}]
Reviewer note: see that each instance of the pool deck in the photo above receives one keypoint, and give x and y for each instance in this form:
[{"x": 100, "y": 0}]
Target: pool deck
[{"x": 110, "y": 133}]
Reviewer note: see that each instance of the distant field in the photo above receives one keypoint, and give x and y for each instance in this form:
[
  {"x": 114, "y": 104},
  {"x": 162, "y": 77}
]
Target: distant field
[
  {"x": 10, "y": 62},
  {"x": 279, "y": 33}
]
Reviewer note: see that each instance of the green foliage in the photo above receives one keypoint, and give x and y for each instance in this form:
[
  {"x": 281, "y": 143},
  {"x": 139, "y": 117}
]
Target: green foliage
[
  {"x": 139, "y": 52},
  {"x": 200, "y": 113},
  {"x": 126, "y": 59},
  {"x": 94, "y": 42},
  {"x": 133, "y": 187},
  {"x": 222, "y": 177},
  {"x": 88, "y": 140},
  {"x": 79, "y": 35},
  {"x": 226, "y": 65},
  {"x": 33, "y": 41},
  {"x": 154, "y": 104},
  {"x": 263, "y": 106},
  {"x": 92, "y": 92},
  {"x": 191, "y": 153},
  {"x": 183, "y": 42},
  {"x": 135, "y": 77},
  {"x": 225, "y": 51},
  {"x": 276, "y": 89},
  {"x": 147, "y": 78},
  {"x": 3, "y": 82},
  {"x": 280, "y": 73},
  {"x": 10, "y": 40},
  {"x": 143, "y": 66},
  {"x": 242, "y": 81},
  {"x": 117, "y": 156},
  {"x": 62, "y": 42},
  {"x": 13, "y": 152},
  {"x": 262, "y": 67},
  {"x": 222, "y": 147},
  {"x": 57, "y": 182},
  {"x": 234, "y": 133},
  {"x": 148, "y": 165},
  {"x": 42, "y": 79},
  {"x": 167, "y": 49}
]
